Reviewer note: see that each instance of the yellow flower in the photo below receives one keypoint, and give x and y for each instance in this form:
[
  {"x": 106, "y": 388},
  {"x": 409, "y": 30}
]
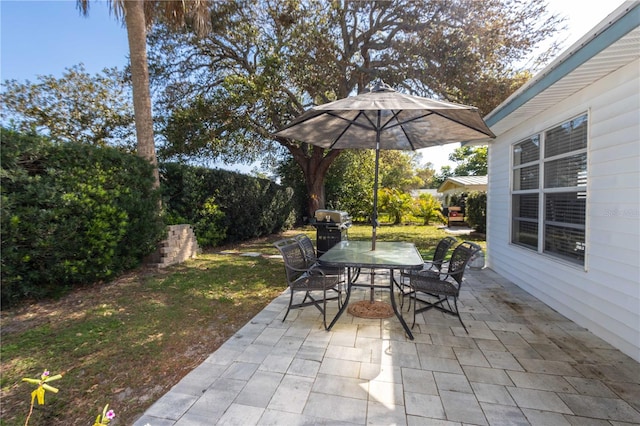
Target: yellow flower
[{"x": 42, "y": 386}]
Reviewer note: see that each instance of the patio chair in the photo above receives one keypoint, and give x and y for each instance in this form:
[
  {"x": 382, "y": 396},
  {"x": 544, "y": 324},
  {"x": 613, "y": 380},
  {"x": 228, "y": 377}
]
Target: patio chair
[
  {"x": 431, "y": 268},
  {"x": 311, "y": 257},
  {"x": 310, "y": 279},
  {"x": 444, "y": 285}
]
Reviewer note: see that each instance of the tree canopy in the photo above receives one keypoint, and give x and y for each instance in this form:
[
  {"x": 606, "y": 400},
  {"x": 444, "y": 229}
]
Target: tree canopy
[
  {"x": 76, "y": 107},
  {"x": 266, "y": 61},
  {"x": 470, "y": 161}
]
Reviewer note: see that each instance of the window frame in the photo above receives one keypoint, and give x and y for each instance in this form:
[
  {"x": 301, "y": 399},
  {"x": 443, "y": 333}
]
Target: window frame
[{"x": 543, "y": 193}]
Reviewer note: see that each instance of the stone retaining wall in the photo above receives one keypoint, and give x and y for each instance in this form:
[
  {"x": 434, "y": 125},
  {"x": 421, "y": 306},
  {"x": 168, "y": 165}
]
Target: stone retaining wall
[{"x": 180, "y": 245}]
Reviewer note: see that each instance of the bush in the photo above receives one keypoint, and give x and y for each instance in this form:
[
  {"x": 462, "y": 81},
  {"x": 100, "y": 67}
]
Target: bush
[
  {"x": 395, "y": 203},
  {"x": 476, "y": 211},
  {"x": 71, "y": 214},
  {"x": 428, "y": 208},
  {"x": 250, "y": 207},
  {"x": 209, "y": 228}
]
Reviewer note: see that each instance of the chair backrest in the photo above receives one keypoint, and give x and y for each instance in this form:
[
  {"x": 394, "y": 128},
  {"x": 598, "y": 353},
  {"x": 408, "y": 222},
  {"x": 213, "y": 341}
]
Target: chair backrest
[
  {"x": 459, "y": 259},
  {"x": 295, "y": 263},
  {"x": 306, "y": 245},
  {"x": 441, "y": 251}
]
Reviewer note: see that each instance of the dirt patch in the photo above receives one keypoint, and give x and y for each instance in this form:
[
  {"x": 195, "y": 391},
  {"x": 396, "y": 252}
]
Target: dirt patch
[{"x": 34, "y": 313}]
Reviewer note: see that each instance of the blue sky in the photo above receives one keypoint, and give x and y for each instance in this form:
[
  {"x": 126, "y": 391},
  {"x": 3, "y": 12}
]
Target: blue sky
[{"x": 45, "y": 37}]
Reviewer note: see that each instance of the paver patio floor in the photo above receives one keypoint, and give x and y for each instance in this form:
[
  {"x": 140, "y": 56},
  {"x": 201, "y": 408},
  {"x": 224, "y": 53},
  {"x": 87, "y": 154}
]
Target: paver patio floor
[{"x": 522, "y": 363}]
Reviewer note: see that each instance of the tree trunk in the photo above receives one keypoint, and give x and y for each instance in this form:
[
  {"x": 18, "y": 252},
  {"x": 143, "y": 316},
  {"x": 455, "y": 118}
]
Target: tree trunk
[
  {"x": 315, "y": 189},
  {"x": 137, "y": 35},
  {"x": 315, "y": 168},
  {"x": 314, "y": 164}
]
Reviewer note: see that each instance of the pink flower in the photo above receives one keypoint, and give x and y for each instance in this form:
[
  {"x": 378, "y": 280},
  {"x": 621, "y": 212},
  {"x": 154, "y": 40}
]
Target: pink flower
[{"x": 111, "y": 415}]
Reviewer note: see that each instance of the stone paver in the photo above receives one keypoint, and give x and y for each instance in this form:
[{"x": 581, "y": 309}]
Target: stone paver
[{"x": 521, "y": 364}]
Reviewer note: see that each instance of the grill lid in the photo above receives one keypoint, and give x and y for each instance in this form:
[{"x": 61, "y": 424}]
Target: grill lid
[{"x": 335, "y": 216}]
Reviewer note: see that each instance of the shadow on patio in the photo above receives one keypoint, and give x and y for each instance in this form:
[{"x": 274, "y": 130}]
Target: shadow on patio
[{"x": 521, "y": 363}]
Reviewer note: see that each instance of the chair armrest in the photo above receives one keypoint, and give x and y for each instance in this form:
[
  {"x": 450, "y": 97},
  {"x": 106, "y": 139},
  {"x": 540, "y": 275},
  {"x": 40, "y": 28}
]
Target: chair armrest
[
  {"x": 315, "y": 269},
  {"x": 312, "y": 270},
  {"x": 434, "y": 276}
]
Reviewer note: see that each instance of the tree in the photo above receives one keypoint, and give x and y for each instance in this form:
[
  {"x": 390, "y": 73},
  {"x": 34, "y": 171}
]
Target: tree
[
  {"x": 350, "y": 179},
  {"x": 265, "y": 62},
  {"x": 397, "y": 170},
  {"x": 137, "y": 16},
  {"x": 441, "y": 176},
  {"x": 471, "y": 161},
  {"x": 426, "y": 175},
  {"x": 349, "y": 183},
  {"x": 74, "y": 108},
  {"x": 428, "y": 208},
  {"x": 395, "y": 203}
]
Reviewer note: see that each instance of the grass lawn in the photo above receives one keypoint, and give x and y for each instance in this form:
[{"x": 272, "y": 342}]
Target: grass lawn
[{"x": 127, "y": 342}]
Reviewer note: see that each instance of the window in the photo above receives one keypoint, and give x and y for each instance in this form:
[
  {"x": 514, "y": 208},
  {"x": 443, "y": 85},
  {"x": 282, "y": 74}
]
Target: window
[{"x": 549, "y": 192}]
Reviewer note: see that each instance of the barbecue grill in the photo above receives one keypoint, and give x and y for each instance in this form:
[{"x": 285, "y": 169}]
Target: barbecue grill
[{"x": 331, "y": 228}]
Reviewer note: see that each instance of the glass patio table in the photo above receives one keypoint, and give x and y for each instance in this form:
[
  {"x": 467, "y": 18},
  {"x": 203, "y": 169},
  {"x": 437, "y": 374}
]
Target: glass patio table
[{"x": 387, "y": 255}]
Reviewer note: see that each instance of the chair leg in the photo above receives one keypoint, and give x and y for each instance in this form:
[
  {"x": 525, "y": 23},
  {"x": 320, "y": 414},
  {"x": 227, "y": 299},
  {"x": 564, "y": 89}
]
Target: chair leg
[
  {"x": 289, "y": 307},
  {"x": 438, "y": 305},
  {"x": 324, "y": 308},
  {"x": 455, "y": 302},
  {"x": 415, "y": 301},
  {"x": 410, "y": 294}
]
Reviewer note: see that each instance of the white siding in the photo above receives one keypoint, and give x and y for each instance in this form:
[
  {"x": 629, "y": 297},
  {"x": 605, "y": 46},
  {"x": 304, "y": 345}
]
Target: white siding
[{"x": 604, "y": 295}]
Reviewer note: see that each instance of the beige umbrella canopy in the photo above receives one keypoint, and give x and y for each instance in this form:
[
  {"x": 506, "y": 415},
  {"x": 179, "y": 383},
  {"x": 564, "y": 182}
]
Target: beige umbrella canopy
[{"x": 382, "y": 118}]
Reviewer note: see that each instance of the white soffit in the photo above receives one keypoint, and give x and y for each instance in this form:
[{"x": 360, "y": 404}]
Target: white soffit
[{"x": 546, "y": 89}]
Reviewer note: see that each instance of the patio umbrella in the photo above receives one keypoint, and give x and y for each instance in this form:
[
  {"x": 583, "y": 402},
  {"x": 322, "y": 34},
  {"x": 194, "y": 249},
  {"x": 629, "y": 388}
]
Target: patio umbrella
[{"x": 382, "y": 118}]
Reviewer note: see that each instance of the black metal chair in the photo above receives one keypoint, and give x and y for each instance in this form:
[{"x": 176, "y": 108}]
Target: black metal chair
[
  {"x": 431, "y": 268},
  {"x": 444, "y": 285},
  {"x": 310, "y": 279},
  {"x": 310, "y": 254},
  {"x": 306, "y": 245}
]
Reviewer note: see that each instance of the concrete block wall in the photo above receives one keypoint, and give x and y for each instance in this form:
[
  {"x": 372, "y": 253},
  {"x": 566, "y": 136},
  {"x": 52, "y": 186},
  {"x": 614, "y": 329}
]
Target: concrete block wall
[{"x": 180, "y": 245}]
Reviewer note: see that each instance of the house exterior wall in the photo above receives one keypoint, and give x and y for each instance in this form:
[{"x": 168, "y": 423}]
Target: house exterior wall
[{"x": 604, "y": 294}]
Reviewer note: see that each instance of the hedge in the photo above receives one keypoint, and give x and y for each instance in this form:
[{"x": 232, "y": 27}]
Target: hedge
[
  {"x": 71, "y": 214},
  {"x": 77, "y": 214},
  {"x": 234, "y": 206},
  {"x": 476, "y": 211}
]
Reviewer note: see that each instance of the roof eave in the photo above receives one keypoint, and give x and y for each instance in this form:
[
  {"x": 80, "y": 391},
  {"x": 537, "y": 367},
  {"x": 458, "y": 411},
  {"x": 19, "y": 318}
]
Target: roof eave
[{"x": 616, "y": 25}]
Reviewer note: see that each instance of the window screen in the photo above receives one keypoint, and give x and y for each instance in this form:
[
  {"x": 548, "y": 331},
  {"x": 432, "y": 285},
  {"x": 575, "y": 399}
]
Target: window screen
[
  {"x": 550, "y": 218},
  {"x": 567, "y": 137},
  {"x": 526, "y": 151}
]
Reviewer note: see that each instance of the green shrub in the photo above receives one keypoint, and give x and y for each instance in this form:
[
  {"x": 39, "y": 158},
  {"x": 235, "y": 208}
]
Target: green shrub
[
  {"x": 395, "y": 203},
  {"x": 428, "y": 208},
  {"x": 71, "y": 214},
  {"x": 476, "y": 211},
  {"x": 209, "y": 228},
  {"x": 251, "y": 207}
]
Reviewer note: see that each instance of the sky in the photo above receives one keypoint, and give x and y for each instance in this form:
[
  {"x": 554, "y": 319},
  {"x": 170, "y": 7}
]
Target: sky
[{"x": 47, "y": 37}]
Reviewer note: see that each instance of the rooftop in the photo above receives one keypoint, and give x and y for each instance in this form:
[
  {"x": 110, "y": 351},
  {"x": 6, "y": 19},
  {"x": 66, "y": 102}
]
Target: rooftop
[{"x": 454, "y": 182}]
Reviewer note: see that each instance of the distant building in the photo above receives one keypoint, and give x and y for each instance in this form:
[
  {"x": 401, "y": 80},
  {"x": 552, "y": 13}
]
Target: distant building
[{"x": 462, "y": 184}]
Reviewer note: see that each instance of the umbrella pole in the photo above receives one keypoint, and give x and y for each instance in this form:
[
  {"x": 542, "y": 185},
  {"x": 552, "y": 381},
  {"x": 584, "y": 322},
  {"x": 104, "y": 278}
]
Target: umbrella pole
[
  {"x": 375, "y": 202},
  {"x": 375, "y": 184},
  {"x": 375, "y": 218}
]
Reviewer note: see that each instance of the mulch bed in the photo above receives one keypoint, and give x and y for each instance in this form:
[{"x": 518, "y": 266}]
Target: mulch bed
[{"x": 368, "y": 309}]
